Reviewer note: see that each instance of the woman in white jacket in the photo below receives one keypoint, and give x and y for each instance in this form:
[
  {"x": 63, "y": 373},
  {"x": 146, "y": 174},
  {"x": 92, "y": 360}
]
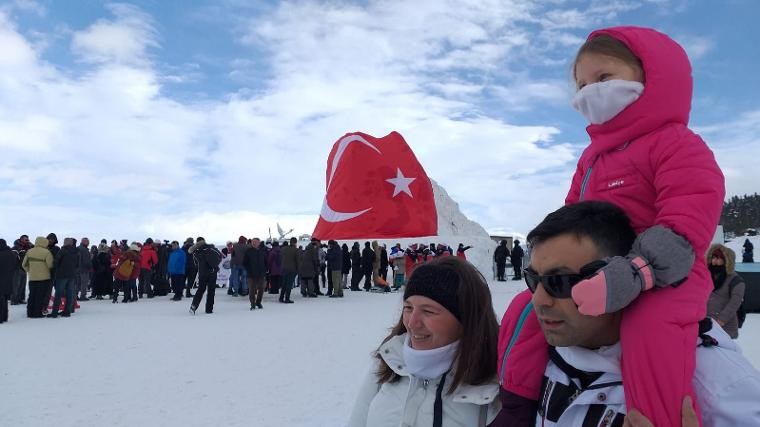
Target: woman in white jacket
[{"x": 438, "y": 365}]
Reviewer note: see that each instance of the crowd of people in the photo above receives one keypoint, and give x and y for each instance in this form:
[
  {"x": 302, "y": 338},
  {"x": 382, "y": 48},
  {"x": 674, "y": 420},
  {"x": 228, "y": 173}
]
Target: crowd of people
[{"x": 79, "y": 272}]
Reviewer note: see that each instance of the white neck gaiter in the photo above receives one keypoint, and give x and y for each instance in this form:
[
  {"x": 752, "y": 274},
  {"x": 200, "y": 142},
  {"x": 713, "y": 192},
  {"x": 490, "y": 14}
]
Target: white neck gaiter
[
  {"x": 429, "y": 364},
  {"x": 600, "y": 102}
]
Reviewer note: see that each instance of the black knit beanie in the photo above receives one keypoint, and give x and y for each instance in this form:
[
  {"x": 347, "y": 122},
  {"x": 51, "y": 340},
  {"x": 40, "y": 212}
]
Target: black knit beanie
[{"x": 438, "y": 283}]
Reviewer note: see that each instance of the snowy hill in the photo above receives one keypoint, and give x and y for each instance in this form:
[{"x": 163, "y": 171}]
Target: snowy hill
[{"x": 454, "y": 228}]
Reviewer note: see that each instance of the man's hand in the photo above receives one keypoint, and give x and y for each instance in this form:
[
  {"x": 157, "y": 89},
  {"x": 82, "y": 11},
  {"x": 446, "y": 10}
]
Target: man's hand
[
  {"x": 688, "y": 416},
  {"x": 720, "y": 322}
]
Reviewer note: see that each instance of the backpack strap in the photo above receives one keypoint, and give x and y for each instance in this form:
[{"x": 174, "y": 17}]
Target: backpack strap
[{"x": 524, "y": 315}]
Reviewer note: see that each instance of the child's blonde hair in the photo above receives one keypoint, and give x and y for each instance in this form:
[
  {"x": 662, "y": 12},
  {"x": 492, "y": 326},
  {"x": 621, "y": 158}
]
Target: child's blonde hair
[{"x": 609, "y": 46}]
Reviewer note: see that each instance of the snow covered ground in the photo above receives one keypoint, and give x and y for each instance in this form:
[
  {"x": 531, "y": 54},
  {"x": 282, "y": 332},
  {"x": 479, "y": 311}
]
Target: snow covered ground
[{"x": 151, "y": 363}]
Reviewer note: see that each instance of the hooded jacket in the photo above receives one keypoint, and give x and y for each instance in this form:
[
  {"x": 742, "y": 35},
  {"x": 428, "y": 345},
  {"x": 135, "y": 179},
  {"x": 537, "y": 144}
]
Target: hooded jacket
[
  {"x": 148, "y": 257},
  {"x": 646, "y": 160},
  {"x": 238, "y": 253},
  {"x": 410, "y": 401},
  {"x": 38, "y": 261},
  {"x": 133, "y": 256},
  {"x": 724, "y": 301},
  {"x": 177, "y": 262}
]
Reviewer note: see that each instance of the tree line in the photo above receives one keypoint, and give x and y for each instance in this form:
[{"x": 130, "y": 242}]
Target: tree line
[{"x": 741, "y": 213}]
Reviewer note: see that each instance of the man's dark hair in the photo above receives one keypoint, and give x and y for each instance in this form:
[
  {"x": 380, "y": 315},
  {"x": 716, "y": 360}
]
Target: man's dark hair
[{"x": 604, "y": 223}]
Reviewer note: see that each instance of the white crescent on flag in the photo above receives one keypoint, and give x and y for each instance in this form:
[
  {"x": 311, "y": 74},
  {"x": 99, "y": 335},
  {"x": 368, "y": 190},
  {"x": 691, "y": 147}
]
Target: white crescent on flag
[{"x": 327, "y": 213}]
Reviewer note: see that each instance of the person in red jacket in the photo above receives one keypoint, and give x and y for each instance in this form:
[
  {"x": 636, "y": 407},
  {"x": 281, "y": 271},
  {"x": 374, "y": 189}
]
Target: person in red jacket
[
  {"x": 148, "y": 259},
  {"x": 635, "y": 88}
]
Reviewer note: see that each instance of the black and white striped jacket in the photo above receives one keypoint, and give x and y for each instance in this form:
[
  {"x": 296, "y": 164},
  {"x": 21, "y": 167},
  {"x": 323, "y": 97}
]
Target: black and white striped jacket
[{"x": 583, "y": 388}]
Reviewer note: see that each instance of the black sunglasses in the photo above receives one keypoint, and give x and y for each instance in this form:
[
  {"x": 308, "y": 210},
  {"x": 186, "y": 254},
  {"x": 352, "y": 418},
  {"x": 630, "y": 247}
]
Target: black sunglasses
[{"x": 560, "y": 285}]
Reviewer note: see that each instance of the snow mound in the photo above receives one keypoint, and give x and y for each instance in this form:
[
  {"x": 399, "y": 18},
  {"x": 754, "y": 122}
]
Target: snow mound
[{"x": 454, "y": 228}]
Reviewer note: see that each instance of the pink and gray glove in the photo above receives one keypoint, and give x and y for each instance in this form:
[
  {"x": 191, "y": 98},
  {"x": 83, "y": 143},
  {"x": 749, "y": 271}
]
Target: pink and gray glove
[{"x": 659, "y": 257}]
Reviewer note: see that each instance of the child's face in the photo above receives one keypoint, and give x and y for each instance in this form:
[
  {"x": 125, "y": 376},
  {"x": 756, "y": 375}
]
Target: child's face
[{"x": 595, "y": 68}]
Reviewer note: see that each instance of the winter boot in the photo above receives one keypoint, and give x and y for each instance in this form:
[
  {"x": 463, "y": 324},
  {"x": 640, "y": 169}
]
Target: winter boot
[{"x": 193, "y": 308}]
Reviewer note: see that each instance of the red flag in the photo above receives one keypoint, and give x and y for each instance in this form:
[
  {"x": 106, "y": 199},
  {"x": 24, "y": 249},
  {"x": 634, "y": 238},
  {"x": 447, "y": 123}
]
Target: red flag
[{"x": 376, "y": 188}]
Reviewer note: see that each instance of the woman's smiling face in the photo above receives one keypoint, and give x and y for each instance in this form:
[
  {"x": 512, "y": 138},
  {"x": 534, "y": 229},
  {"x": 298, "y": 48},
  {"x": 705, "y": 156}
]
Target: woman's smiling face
[{"x": 429, "y": 324}]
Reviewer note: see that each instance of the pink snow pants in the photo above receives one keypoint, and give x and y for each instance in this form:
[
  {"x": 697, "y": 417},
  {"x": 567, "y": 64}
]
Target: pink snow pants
[{"x": 659, "y": 340}]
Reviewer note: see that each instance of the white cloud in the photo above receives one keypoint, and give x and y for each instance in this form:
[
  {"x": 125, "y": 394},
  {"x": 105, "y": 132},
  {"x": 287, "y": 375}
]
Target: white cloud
[
  {"x": 124, "y": 40},
  {"x": 696, "y": 46},
  {"x": 110, "y": 151},
  {"x": 736, "y": 145}
]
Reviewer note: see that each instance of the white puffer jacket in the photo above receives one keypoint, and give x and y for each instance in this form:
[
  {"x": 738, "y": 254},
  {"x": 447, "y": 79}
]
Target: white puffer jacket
[{"x": 410, "y": 401}]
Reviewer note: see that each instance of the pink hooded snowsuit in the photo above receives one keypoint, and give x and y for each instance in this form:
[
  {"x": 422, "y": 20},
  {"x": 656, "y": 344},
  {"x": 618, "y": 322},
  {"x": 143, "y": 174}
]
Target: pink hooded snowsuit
[{"x": 648, "y": 162}]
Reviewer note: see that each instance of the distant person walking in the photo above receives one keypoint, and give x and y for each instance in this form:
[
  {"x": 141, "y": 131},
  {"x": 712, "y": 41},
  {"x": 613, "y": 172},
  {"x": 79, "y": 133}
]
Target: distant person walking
[{"x": 207, "y": 259}]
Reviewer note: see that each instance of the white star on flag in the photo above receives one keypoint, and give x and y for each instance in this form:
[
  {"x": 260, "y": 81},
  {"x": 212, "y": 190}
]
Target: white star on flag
[{"x": 401, "y": 183}]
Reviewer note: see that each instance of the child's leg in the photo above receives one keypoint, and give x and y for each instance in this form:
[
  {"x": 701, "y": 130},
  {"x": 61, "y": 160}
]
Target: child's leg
[
  {"x": 525, "y": 366},
  {"x": 659, "y": 341}
]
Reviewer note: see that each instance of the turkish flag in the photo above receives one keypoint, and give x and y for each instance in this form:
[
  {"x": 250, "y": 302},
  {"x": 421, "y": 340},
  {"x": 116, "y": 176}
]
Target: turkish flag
[{"x": 376, "y": 188}]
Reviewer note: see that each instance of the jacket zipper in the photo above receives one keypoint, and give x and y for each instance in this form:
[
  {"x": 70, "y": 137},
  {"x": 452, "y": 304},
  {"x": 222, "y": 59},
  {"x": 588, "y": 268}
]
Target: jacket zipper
[{"x": 586, "y": 177}]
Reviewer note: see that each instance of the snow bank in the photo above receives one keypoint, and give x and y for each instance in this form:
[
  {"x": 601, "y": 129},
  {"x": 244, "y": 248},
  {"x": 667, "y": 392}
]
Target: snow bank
[{"x": 453, "y": 228}]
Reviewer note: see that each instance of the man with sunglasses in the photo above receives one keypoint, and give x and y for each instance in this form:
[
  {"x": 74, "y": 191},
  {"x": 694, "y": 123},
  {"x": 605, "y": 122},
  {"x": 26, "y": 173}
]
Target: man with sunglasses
[{"x": 582, "y": 383}]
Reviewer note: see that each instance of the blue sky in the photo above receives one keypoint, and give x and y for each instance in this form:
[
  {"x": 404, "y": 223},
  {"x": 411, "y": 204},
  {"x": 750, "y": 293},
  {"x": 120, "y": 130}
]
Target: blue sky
[{"x": 174, "y": 118}]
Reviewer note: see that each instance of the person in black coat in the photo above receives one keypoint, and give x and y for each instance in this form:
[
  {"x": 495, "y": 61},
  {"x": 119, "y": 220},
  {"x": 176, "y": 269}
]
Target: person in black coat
[
  {"x": 356, "y": 267},
  {"x": 748, "y": 251},
  {"x": 346, "y": 269},
  {"x": 66, "y": 267},
  {"x": 191, "y": 271},
  {"x": 18, "y": 293},
  {"x": 334, "y": 269},
  {"x": 368, "y": 259},
  {"x": 9, "y": 263},
  {"x": 517, "y": 256},
  {"x": 101, "y": 266},
  {"x": 383, "y": 263},
  {"x": 207, "y": 258},
  {"x": 500, "y": 256}
]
